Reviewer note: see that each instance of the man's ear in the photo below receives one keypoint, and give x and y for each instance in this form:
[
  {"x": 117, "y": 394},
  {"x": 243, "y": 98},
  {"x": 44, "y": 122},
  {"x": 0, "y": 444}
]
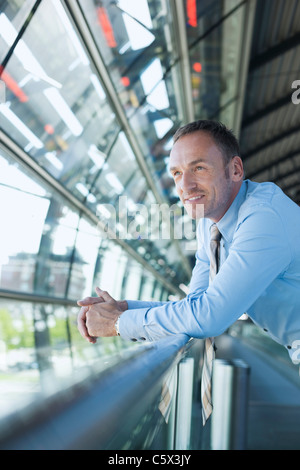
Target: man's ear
[{"x": 237, "y": 169}]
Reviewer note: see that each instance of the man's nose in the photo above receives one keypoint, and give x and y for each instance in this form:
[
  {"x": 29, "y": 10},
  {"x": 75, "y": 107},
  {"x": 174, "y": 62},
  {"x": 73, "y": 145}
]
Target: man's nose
[{"x": 188, "y": 181}]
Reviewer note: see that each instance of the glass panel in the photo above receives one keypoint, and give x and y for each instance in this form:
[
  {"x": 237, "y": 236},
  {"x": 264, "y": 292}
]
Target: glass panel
[
  {"x": 16, "y": 11},
  {"x": 132, "y": 280},
  {"x": 68, "y": 126},
  {"x": 49, "y": 112},
  {"x": 147, "y": 288},
  {"x": 129, "y": 33},
  {"x": 135, "y": 41},
  {"x": 111, "y": 266},
  {"x": 41, "y": 352},
  {"x": 84, "y": 260},
  {"x": 215, "y": 31},
  {"x": 37, "y": 244}
]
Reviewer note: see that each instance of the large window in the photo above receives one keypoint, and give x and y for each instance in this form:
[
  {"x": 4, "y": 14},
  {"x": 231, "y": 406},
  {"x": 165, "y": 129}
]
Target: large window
[
  {"x": 49, "y": 251},
  {"x": 94, "y": 91}
]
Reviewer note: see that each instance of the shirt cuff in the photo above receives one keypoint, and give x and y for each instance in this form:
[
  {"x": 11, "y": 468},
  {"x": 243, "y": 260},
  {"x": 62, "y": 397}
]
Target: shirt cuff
[{"x": 131, "y": 325}]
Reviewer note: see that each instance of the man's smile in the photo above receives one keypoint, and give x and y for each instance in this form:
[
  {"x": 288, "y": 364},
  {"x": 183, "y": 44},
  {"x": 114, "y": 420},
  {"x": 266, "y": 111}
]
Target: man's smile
[{"x": 194, "y": 199}]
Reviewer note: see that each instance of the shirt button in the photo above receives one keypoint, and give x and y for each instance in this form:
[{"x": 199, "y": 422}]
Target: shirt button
[
  {"x": 133, "y": 339},
  {"x": 289, "y": 347},
  {"x": 143, "y": 339},
  {"x": 265, "y": 329}
]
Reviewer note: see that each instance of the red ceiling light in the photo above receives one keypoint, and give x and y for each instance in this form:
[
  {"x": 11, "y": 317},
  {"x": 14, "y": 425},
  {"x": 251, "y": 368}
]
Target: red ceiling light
[
  {"x": 106, "y": 27},
  {"x": 49, "y": 129},
  {"x": 197, "y": 67},
  {"x": 191, "y": 10},
  {"x": 12, "y": 85},
  {"x": 125, "y": 81}
]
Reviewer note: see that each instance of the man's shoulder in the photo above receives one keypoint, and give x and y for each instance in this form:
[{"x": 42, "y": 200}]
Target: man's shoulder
[
  {"x": 260, "y": 193},
  {"x": 267, "y": 199}
]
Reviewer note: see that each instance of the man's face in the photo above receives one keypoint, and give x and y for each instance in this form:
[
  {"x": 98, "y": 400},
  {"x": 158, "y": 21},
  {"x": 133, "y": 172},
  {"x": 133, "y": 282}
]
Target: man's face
[{"x": 205, "y": 187}]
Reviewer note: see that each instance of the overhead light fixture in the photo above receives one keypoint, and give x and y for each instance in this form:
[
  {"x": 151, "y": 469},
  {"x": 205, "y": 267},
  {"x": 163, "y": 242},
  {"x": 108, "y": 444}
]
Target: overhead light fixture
[
  {"x": 61, "y": 107},
  {"x": 158, "y": 98},
  {"x": 96, "y": 155},
  {"x": 129, "y": 152},
  {"x": 139, "y": 37},
  {"x": 20, "y": 126},
  {"x": 71, "y": 32},
  {"x": 98, "y": 87},
  {"x": 154, "y": 86},
  {"x": 13, "y": 86},
  {"x": 191, "y": 11},
  {"x": 82, "y": 189},
  {"x": 124, "y": 48},
  {"x": 52, "y": 158},
  {"x": 137, "y": 10},
  {"x": 151, "y": 76},
  {"x": 23, "y": 53},
  {"x": 114, "y": 182},
  {"x": 7, "y": 31},
  {"x": 106, "y": 26},
  {"x": 162, "y": 126}
]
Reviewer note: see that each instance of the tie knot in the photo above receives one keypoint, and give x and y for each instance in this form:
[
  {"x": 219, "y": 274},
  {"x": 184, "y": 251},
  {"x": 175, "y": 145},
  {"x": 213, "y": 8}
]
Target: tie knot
[{"x": 215, "y": 234}]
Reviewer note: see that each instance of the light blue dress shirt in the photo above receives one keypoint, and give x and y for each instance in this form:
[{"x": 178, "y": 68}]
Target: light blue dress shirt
[{"x": 259, "y": 275}]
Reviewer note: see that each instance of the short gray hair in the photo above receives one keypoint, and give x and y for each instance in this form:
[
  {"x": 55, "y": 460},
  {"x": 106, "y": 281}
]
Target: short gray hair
[{"x": 223, "y": 137}]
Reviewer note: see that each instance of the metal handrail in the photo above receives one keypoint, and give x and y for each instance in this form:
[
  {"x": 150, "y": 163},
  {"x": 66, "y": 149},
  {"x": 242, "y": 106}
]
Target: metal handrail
[{"x": 119, "y": 408}]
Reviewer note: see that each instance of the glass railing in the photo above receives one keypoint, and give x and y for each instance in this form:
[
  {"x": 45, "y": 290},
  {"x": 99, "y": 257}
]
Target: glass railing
[
  {"x": 127, "y": 399},
  {"x": 42, "y": 352}
]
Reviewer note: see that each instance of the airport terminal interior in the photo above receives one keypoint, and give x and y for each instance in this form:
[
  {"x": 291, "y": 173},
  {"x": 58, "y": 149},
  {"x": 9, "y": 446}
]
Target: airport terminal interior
[{"x": 91, "y": 94}]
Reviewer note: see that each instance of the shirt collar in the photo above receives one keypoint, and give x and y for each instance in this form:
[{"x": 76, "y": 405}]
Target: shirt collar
[{"x": 227, "y": 224}]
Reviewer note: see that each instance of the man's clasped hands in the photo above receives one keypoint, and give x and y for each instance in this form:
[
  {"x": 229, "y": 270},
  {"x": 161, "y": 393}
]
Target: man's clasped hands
[{"x": 98, "y": 315}]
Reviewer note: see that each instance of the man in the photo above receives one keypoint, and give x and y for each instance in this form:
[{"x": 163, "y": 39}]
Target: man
[{"x": 259, "y": 253}]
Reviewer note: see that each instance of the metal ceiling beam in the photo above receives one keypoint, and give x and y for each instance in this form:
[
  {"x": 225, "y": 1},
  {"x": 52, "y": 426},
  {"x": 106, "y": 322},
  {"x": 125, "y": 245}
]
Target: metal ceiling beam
[
  {"x": 270, "y": 108},
  {"x": 248, "y": 27},
  {"x": 286, "y": 175},
  {"x": 272, "y": 164},
  {"x": 274, "y": 52},
  {"x": 293, "y": 186},
  {"x": 290, "y": 186},
  {"x": 273, "y": 140},
  {"x": 179, "y": 22}
]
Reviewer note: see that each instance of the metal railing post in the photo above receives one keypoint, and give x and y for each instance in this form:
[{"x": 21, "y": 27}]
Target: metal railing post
[
  {"x": 184, "y": 404},
  {"x": 230, "y": 405}
]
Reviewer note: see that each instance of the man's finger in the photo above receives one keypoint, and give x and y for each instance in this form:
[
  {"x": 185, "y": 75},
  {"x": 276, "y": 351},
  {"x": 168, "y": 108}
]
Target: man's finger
[
  {"x": 104, "y": 295},
  {"x": 89, "y": 301},
  {"x": 81, "y": 324}
]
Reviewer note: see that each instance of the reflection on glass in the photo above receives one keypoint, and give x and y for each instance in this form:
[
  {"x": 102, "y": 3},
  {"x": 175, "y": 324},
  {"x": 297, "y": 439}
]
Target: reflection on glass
[
  {"x": 36, "y": 245},
  {"x": 135, "y": 44},
  {"x": 41, "y": 352},
  {"x": 49, "y": 112},
  {"x": 111, "y": 266},
  {"x": 214, "y": 32},
  {"x": 68, "y": 125},
  {"x": 83, "y": 260},
  {"x": 17, "y": 15}
]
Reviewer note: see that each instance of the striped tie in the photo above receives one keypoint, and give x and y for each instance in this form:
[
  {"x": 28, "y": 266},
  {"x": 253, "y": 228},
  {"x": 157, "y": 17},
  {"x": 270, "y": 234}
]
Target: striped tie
[{"x": 209, "y": 348}]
